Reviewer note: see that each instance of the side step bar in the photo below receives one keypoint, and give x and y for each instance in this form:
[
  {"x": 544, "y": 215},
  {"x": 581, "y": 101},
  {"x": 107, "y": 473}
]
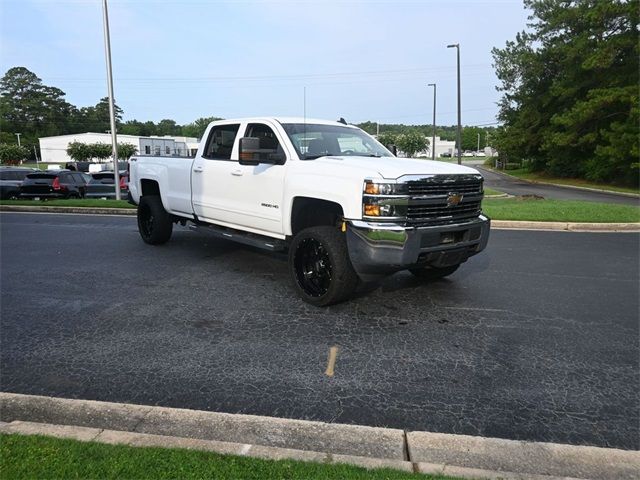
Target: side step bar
[{"x": 252, "y": 239}]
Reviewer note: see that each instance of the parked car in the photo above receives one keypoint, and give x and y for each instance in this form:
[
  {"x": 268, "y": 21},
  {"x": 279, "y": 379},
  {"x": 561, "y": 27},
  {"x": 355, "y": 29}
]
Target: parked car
[
  {"x": 102, "y": 185},
  {"x": 10, "y": 180},
  {"x": 54, "y": 184}
]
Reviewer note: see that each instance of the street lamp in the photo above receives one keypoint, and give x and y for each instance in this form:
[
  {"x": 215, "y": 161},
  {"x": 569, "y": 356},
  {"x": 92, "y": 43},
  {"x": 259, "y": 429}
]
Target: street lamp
[
  {"x": 112, "y": 118},
  {"x": 459, "y": 133},
  {"x": 433, "y": 140},
  {"x": 18, "y": 135}
]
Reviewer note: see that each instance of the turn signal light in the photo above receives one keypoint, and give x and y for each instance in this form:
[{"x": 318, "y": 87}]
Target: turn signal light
[{"x": 371, "y": 188}]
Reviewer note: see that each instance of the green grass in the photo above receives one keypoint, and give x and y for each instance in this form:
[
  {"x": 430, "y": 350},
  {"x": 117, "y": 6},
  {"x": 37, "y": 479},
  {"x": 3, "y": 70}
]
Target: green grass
[
  {"x": 559, "y": 211},
  {"x": 94, "y": 203},
  {"x": 490, "y": 191},
  {"x": 576, "y": 182},
  {"x": 496, "y": 208},
  {"x": 28, "y": 457}
]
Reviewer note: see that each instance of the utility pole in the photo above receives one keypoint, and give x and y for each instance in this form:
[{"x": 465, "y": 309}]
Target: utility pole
[
  {"x": 35, "y": 153},
  {"x": 377, "y": 129},
  {"x": 459, "y": 132},
  {"x": 18, "y": 135},
  {"x": 478, "y": 143},
  {"x": 112, "y": 118},
  {"x": 433, "y": 139}
]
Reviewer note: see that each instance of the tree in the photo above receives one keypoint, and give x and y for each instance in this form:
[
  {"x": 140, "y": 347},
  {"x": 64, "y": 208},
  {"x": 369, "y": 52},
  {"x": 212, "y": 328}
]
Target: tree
[
  {"x": 168, "y": 127},
  {"x": 80, "y": 152},
  {"x": 387, "y": 139},
  {"x": 196, "y": 129},
  {"x": 29, "y": 107},
  {"x": 126, "y": 150},
  {"x": 570, "y": 90},
  {"x": 11, "y": 154},
  {"x": 412, "y": 142}
]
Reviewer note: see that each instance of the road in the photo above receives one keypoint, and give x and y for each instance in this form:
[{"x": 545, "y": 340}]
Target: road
[
  {"x": 514, "y": 186},
  {"x": 537, "y": 338}
]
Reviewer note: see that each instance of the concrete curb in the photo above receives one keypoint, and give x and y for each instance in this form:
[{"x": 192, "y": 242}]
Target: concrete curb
[
  {"x": 574, "y": 187},
  {"x": 277, "y": 438},
  {"x": 497, "y": 224},
  {"x": 82, "y": 210},
  {"x": 565, "y": 226}
]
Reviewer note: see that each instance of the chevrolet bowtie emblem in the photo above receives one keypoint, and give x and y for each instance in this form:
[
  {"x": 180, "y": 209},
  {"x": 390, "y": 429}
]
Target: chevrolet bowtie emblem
[{"x": 453, "y": 199}]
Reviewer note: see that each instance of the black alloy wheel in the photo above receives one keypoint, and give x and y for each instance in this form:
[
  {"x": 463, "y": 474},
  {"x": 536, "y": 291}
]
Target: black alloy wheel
[
  {"x": 154, "y": 223},
  {"x": 313, "y": 267},
  {"x": 320, "y": 266}
]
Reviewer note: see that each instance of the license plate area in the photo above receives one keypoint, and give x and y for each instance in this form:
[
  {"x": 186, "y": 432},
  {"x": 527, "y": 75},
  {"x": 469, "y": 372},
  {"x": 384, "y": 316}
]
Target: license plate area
[{"x": 447, "y": 238}]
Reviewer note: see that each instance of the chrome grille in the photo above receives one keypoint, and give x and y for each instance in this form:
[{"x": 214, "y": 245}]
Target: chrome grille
[
  {"x": 428, "y": 199},
  {"x": 443, "y": 184}
]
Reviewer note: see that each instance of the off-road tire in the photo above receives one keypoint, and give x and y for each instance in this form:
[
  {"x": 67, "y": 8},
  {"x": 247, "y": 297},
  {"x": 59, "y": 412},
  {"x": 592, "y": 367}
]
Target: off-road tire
[
  {"x": 336, "y": 278},
  {"x": 433, "y": 273},
  {"x": 154, "y": 223}
]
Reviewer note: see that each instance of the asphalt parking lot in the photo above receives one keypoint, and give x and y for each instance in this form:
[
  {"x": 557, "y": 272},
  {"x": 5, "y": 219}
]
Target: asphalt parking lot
[{"x": 537, "y": 338}]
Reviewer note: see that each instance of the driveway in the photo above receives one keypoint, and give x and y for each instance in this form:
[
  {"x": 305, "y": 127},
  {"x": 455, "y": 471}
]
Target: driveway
[
  {"x": 515, "y": 186},
  {"x": 535, "y": 339}
]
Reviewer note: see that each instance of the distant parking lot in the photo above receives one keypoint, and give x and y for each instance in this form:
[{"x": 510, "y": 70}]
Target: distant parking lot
[{"x": 537, "y": 338}]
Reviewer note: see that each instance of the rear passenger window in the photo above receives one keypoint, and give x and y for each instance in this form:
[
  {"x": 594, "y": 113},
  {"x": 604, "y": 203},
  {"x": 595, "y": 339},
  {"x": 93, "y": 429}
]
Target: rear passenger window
[
  {"x": 220, "y": 142},
  {"x": 78, "y": 178}
]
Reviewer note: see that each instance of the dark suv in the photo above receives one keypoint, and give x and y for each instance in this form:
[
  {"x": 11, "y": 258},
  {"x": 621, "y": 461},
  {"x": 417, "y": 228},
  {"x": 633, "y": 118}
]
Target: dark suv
[
  {"x": 10, "y": 180},
  {"x": 54, "y": 184},
  {"x": 102, "y": 185}
]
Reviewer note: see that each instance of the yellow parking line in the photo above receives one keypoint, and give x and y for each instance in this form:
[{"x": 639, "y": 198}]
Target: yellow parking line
[{"x": 333, "y": 353}]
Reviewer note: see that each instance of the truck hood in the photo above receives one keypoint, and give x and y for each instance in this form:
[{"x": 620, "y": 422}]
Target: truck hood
[{"x": 392, "y": 167}]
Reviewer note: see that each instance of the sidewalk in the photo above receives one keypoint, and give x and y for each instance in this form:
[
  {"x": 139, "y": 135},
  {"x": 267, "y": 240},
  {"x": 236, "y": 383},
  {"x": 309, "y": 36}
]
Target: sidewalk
[{"x": 277, "y": 438}]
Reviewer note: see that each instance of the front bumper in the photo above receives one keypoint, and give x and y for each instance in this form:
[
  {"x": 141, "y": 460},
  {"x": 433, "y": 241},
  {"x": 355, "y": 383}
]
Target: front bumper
[{"x": 380, "y": 249}]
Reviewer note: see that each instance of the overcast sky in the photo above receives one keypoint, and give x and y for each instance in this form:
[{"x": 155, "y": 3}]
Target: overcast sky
[{"x": 358, "y": 59}]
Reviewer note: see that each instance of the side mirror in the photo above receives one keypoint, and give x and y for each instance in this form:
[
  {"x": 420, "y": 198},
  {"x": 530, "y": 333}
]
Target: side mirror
[
  {"x": 252, "y": 154},
  {"x": 249, "y": 151}
]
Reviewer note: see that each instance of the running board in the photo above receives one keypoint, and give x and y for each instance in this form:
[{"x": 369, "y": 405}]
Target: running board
[{"x": 252, "y": 239}]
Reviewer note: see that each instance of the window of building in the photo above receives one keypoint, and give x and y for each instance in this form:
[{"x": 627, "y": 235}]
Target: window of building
[
  {"x": 167, "y": 150},
  {"x": 147, "y": 149},
  {"x": 157, "y": 150}
]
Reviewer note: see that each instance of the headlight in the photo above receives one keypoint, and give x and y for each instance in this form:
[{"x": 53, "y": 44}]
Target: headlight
[{"x": 375, "y": 188}]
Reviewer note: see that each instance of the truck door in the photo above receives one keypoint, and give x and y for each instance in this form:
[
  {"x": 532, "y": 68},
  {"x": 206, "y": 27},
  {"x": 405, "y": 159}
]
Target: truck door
[
  {"x": 225, "y": 192},
  {"x": 260, "y": 189}
]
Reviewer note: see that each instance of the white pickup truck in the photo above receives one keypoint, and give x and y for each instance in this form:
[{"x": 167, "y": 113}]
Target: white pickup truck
[{"x": 342, "y": 205}]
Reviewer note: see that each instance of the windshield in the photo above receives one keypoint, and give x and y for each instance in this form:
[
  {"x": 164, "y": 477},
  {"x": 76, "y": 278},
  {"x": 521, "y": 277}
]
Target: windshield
[{"x": 313, "y": 141}]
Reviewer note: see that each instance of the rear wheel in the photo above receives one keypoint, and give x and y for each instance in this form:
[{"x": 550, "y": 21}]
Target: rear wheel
[
  {"x": 154, "y": 223},
  {"x": 433, "y": 273},
  {"x": 13, "y": 196},
  {"x": 320, "y": 266}
]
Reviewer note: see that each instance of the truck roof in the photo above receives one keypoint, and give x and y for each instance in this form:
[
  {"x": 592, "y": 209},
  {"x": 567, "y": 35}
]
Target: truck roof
[{"x": 286, "y": 120}]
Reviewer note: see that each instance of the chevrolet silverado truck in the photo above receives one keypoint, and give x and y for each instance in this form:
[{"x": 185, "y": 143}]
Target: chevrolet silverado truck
[{"x": 342, "y": 205}]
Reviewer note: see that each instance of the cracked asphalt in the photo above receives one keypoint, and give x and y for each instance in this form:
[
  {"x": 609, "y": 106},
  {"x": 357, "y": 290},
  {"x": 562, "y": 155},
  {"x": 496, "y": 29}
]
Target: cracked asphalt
[{"x": 537, "y": 338}]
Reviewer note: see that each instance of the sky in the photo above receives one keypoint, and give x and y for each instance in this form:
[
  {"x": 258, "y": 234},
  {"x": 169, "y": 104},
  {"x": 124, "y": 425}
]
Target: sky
[{"x": 357, "y": 59}]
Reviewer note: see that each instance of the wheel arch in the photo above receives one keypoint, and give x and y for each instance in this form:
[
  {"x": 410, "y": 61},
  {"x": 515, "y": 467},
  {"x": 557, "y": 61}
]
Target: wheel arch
[{"x": 311, "y": 212}]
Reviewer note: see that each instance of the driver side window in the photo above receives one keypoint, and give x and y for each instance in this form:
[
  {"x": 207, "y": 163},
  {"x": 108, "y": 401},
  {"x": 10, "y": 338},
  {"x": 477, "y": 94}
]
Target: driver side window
[{"x": 269, "y": 145}]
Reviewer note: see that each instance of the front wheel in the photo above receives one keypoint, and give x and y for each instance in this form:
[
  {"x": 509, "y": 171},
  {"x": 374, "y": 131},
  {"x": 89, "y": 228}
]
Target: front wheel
[
  {"x": 320, "y": 266},
  {"x": 433, "y": 273},
  {"x": 154, "y": 223}
]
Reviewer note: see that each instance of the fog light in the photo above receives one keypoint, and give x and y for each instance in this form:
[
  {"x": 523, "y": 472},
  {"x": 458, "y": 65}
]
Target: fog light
[{"x": 372, "y": 210}]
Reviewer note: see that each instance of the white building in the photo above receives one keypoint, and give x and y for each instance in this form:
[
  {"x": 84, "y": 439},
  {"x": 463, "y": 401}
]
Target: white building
[
  {"x": 54, "y": 149},
  {"x": 442, "y": 146}
]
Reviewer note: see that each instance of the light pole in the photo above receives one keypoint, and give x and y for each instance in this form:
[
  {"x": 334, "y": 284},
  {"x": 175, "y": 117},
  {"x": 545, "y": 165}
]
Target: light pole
[
  {"x": 18, "y": 135},
  {"x": 112, "y": 118},
  {"x": 433, "y": 139},
  {"x": 459, "y": 133},
  {"x": 478, "y": 143}
]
